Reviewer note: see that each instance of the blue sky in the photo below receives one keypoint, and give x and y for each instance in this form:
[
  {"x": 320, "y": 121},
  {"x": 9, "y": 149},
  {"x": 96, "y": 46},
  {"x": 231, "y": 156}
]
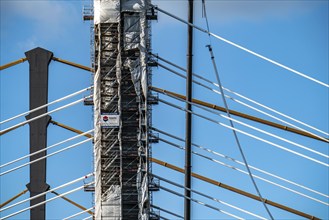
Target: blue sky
[{"x": 294, "y": 33}]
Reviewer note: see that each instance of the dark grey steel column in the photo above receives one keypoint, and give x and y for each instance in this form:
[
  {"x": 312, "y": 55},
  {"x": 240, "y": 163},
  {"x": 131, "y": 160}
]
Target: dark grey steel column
[
  {"x": 39, "y": 60},
  {"x": 188, "y": 135}
]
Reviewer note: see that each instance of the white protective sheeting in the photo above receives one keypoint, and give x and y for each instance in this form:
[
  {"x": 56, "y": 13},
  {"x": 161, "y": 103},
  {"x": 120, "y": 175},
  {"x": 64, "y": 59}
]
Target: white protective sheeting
[
  {"x": 135, "y": 70},
  {"x": 106, "y": 11},
  {"x": 143, "y": 50},
  {"x": 133, "y": 5},
  {"x": 111, "y": 206},
  {"x": 97, "y": 140},
  {"x": 145, "y": 216},
  {"x": 144, "y": 189},
  {"x": 131, "y": 32},
  {"x": 135, "y": 36},
  {"x": 139, "y": 178}
]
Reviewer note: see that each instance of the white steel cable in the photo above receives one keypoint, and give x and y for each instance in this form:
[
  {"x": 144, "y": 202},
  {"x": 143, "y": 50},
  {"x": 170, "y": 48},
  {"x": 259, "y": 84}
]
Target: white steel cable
[
  {"x": 49, "y": 200},
  {"x": 245, "y": 104},
  {"x": 278, "y": 146},
  {"x": 272, "y": 116},
  {"x": 248, "y": 134},
  {"x": 50, "y": 190},
  {"x": 166, "y": 211},
  {"x": 87, "y": 218},
  {"x": 273, "y": 135},
  {"x": 209, "y": 197},
  {"x": 255, "y": 102},
  {"x": 40, "y": 116},
  {"x": 48, "y": 104},
  {"x": 47, "y": 148},
  {"x": 201, "y": 203},
  {"x": 264, "y": 106},
  {"x": 244, "y": 49},
  {"x": 48, "y": 155},
  {"x": 279, "y": 113},
  {"x": 241, "y": 163},
  {"x": 250, "y": 126},
  {"x": 244, "y": 172},
  {"x": 79, "y": 213}
]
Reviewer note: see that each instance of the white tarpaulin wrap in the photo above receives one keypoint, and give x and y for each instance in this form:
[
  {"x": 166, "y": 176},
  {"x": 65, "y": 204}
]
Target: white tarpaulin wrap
[
  {"x": 111, "y": 206},
  {"x": 106, "y": 11},
  {"x": 131, "y": 32},
  {"x": 131, "y": 40},
  {"x": 143, "y": 50},
  {"x": 135, "y": 69},
  {"x": 97, "y": 141},
  {"x": 139, "y": 178},
  {"x": 144, "y": 189},
  {"x": 133, "y": 5},
  {"x": 145, "y": 216}
]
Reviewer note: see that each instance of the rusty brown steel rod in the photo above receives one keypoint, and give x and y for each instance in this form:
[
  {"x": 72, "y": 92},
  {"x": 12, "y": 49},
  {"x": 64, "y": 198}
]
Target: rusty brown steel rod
[
  {"x": 236, "y": 190},
  {"x": 73, "y": 64},
  {"x": 70, "y": 128},
  {"x": 242, "y": 115},
  {"x": 13, "y": 198},
  {"x": 72, "y": 202},
  {"x": 13, "y": 63}
]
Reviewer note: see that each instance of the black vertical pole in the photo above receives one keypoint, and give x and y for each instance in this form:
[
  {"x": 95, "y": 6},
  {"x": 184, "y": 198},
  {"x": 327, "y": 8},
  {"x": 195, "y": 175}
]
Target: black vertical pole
[
  {"x": 39, "y": 60},
  {"x": 188, "y": 135}
]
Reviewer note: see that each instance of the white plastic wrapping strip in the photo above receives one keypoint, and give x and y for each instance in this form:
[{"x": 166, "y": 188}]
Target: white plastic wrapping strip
[
  {"x": 135, "y": 69},
  {"x": 131, "y": 32},
  {"x": 106, "y": 11},
  {"x": 145, "y": 216},
  {"x": 111, "y": 205},
  {"x": 135, "y": 37},
  {"x": 143, "y": 50},
  {"x": 97, "y": 138},
  {"x": 131, "y": 40},
  {"x": 133, "y": 5},
  {"x": 144, "y": 189}
]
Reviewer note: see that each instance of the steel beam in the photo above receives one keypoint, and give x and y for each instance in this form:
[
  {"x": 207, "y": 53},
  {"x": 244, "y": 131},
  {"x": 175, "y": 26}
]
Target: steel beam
[{"x": 38, "y": 59}]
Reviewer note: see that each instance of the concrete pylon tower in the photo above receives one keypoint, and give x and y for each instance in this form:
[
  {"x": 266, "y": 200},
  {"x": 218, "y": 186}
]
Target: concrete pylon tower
[
  {"x": 121, "y": 109},
  {"x": 39, "y": 60}
]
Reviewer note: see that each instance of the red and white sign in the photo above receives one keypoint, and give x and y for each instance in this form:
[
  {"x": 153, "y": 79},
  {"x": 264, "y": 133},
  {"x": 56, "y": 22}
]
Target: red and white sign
[{"x": 110, "y": 120}]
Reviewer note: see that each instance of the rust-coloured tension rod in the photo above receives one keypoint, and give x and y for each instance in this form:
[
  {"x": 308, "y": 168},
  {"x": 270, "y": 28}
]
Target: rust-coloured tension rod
[
  {"x": 236, "y": 190},
  {"x": 73, "y": 64},
  {"x": 13, "y": 63},
  {"x": 13, "y": 198},
  {"x": 54, "y": 58},
  {"x": 72, "y": 202},
  {"x": 242, "y": 115},
  {"x": 70, "y": 128},
  {"x": 59, "y": 125}
]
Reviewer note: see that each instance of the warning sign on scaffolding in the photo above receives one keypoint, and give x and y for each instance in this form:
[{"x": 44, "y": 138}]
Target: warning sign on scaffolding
[{"x": 110, "y": 120}]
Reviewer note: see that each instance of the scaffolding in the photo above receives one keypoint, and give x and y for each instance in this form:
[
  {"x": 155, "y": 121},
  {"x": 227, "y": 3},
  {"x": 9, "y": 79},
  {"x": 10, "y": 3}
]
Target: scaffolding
[{"x": 122, "y": 109}]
